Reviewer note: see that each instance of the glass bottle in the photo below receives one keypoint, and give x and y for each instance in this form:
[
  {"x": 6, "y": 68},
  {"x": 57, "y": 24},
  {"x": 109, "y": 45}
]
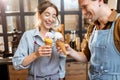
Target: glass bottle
[
  {"x": 15, "y": 41},
  {"x": 72, "y": 39}
]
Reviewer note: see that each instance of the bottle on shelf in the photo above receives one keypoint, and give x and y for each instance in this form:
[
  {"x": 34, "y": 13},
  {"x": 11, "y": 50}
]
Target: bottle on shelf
[
  {"x": 78, "y": 44},
  {"x": 73, "y": 39},
  {"x": 15, "y": 40}
]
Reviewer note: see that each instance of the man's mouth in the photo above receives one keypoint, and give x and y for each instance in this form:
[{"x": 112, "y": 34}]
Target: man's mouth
[{"x": 89, "y": 15}]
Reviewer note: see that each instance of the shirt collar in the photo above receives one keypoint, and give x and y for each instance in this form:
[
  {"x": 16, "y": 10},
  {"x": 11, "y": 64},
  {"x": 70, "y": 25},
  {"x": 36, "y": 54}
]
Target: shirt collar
[{"x": 36, "y": 32}]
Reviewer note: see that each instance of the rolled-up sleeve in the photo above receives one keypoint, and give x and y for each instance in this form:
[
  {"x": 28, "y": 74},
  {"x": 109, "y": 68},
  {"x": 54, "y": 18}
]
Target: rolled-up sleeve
[
  {"x": 21, "y": 53},
  {"x": 86, "y": 50}
]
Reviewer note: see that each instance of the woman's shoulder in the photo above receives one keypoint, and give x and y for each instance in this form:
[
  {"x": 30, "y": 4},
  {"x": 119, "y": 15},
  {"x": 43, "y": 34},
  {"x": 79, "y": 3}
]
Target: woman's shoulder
[{"x": 31, "y": 32}]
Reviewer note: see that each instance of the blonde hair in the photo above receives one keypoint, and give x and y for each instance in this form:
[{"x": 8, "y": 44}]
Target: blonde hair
[{"x": 37, "y": 20}]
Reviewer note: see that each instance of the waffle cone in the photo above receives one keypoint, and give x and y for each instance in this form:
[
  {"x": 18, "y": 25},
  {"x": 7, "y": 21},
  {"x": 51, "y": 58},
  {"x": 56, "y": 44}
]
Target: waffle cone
[
  {"x": 62, "y": 46},
  {"x": 48, "y": 41}
]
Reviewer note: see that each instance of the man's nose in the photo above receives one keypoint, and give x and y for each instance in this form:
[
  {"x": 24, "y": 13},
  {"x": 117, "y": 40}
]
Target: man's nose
[{"x": 84, "y": 12}]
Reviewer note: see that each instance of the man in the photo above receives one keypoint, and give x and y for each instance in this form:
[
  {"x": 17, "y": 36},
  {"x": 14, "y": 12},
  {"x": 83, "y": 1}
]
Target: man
[{"x": 102, "y": 43}]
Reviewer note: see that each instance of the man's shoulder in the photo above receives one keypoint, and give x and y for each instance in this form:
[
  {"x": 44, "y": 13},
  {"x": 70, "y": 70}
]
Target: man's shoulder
[{"x": 90, "y": 28}]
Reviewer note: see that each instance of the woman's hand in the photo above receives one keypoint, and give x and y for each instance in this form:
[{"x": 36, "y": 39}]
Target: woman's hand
[{"x": 45, "y": 50}]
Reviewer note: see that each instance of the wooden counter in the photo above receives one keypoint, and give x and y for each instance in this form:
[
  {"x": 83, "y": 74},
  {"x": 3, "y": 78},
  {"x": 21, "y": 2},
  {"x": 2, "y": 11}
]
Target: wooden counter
[{"x": 74, "y": 70}]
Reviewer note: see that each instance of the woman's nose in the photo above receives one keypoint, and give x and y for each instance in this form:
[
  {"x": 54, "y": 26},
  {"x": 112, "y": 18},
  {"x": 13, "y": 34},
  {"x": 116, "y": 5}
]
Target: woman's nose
[{"x": 51, "y": 19}]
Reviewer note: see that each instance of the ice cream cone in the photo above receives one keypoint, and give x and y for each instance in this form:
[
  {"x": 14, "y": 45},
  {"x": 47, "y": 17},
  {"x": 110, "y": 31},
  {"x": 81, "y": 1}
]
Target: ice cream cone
[
  {"x": 62, "y": 46},
  {"x": 48, "y": 41}
]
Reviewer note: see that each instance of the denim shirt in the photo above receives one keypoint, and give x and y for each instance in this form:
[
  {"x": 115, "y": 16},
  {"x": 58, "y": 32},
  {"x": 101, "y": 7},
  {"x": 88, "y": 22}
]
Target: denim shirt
[{"x": 30, "y": 40}]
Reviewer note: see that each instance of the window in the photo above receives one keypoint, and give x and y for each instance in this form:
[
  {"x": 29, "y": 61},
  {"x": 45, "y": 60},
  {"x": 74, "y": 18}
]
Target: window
[{"x": 18, "y": 14}]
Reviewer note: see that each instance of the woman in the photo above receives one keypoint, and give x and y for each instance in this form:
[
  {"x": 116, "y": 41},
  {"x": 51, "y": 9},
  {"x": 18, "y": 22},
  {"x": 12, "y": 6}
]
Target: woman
[{"x": 42, "y": 61}]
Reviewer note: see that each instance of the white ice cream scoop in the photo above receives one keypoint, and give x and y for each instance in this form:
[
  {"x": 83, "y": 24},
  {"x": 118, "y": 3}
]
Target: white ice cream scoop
[
  {"x": 49, "y": 35},
  {"x": 58, "y": 36}
]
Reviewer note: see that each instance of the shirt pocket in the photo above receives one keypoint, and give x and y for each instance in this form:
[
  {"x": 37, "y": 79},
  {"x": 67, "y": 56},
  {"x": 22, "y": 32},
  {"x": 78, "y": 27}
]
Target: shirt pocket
[{"x": 99, "y": 53}]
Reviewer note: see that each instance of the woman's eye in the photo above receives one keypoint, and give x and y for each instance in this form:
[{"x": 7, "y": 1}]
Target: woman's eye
[
  {"x": 54, "y": 17},
  {"x": 49, "y": 15}
]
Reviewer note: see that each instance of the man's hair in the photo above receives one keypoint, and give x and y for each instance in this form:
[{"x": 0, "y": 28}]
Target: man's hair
[{"x": 105, "y": 1}]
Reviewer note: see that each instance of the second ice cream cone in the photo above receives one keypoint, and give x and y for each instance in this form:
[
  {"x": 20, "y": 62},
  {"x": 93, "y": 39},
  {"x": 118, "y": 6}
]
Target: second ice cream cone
[{"x": 62, "y": 46}]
